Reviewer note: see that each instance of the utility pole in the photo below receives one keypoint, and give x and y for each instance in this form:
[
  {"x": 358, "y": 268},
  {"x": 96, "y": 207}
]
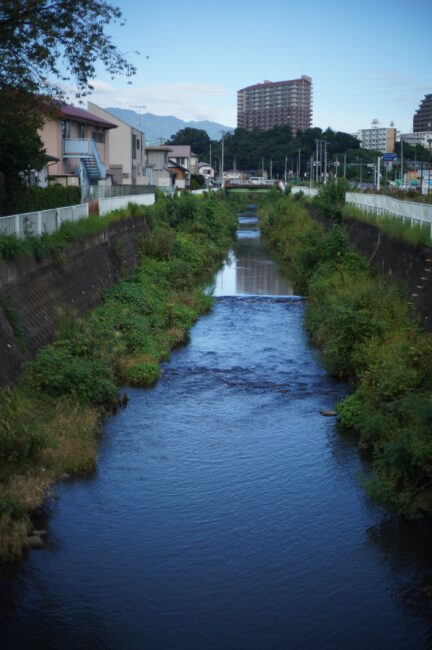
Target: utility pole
[
  {"x": 222, "y": 161},
  {"x": 262, "y": 165},
  {"x": 271, "y": 169},
  {"x": 235, "y": 163},
  {"x": 361, "y": 168},
  {"x": 311, "y": 171},
  {"x": 285, "y": 171},
  {"x": 402, "y": 169},
  {"x": 344, "y": 165},
  {"x": 321, "y": 158},
  {"x": 299, "y": 164},
  {"x": 378, "y": 174},
  {"x": 316, "y": 161},
  {"x": 325, "y": 163}
]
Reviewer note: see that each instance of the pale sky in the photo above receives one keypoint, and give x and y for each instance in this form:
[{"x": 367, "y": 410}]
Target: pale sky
[{"x": 367, "y": 59}]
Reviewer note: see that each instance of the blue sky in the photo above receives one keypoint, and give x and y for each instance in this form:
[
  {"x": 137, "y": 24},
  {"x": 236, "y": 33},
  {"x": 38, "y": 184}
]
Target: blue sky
[{"x": 366, "y": 59}]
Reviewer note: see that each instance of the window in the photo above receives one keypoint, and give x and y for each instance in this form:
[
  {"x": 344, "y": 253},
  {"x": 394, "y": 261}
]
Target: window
[
  {"x": 81, "y": 131},
  {"x": 65, "y": 126},
  {"x": 98, "y": 137}
]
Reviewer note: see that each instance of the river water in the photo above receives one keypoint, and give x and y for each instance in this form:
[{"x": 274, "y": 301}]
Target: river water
[{"x": 225, "y": 511}]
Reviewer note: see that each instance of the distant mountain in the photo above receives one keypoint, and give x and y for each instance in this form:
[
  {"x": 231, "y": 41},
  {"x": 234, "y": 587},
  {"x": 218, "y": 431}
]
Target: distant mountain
[{"x": 158, "y": 127}]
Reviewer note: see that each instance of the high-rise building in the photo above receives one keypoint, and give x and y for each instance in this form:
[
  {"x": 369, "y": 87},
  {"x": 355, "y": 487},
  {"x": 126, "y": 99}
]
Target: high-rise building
[
  {"x": 423, "y": 118},
  {"x": 378, "y": 138},
  {"x": 274, "y": 103}
]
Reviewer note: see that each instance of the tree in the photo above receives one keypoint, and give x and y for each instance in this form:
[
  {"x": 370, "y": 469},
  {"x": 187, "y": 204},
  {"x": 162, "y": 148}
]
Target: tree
[
  {"x": 44, "y": 42},
  {"x": 197, "y": 138},
  {"x": 21, "y": 148}
]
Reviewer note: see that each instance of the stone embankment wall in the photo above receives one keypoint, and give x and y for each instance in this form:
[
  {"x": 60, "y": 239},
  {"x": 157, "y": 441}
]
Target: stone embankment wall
[
  {"x": 410, "y": 264},
  {"x": 34, "y": 295}
]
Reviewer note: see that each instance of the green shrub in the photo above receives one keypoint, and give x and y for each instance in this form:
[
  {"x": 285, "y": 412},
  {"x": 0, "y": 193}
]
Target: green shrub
[
  {"x": 53, "y": 196},
  {"x": 144, "y": 374}
]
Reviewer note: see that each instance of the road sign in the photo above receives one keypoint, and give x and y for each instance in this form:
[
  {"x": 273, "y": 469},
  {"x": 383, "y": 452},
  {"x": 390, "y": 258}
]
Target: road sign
[{"x": 389, "y": 157}]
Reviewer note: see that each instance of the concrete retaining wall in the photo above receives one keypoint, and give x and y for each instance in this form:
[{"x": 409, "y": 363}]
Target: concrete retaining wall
[{"x": 34, "y": 295}]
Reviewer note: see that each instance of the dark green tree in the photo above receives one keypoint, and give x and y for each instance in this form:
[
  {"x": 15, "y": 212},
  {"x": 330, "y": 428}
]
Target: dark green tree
[
  {"x": 44, "y": 42},
  {"x": 21, "y": 149}
]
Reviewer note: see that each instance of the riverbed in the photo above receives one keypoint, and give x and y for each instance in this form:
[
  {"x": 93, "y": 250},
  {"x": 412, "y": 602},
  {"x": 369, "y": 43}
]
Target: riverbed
[{"x": 225, "y": 511}]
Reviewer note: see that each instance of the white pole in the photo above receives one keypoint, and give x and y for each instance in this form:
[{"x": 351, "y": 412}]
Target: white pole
[
  {"x": 402, "y": 169},
  {"x": 222, "y": 161},
  {"x": 378, "y": 174}
]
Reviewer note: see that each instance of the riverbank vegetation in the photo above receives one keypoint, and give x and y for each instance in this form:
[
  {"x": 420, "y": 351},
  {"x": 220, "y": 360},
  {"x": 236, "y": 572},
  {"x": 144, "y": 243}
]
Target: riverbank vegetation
[
  {"x": 49, "y": 422},
  {"x": 369, "y": 336}
]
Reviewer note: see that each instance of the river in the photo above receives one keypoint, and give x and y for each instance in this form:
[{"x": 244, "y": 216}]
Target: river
[{"x": 225, "y": 511}]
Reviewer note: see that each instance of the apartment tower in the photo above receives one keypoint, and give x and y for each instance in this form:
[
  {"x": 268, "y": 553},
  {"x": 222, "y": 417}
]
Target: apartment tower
[
  {"x": 274, "y": 103},
  {"x": 423, "y": 118}
]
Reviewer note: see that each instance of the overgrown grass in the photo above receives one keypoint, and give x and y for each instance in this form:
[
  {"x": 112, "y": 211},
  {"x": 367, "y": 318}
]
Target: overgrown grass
[
  {"x": 394, "y": 227},
  {"x": 368, "y": 335},
  {"x": 49, "y": 422}
]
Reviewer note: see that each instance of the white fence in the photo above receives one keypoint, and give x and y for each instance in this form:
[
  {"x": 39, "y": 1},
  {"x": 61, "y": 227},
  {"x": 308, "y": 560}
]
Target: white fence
[
  {"x": 385, "y": 205},
  {"x": 307, "y": 191},
  {"x": 36, "y": 223},
  {"x": 117, "y": 202},
  {"x": 47, "y": 221}
]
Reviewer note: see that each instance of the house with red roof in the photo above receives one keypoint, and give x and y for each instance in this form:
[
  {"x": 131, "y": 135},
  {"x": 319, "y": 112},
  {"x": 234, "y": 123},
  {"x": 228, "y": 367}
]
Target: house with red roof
[{"x": 79, "y": 141}]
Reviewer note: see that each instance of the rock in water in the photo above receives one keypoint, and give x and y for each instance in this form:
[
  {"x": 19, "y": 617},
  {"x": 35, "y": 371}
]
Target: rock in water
[
  {"x": 331, "y": 414},
  {"x": 35, "y": 542}
]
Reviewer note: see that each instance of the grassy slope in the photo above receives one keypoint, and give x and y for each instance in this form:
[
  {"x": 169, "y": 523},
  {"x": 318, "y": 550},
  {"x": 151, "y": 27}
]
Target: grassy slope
[{"x": 368, "y": 335}]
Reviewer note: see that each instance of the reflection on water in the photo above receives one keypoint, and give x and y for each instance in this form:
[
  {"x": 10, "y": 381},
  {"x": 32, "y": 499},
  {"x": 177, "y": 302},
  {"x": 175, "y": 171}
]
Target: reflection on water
[{"x": 249, "y": 270}]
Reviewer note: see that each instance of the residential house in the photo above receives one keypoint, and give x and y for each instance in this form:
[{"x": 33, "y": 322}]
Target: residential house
[
  {"x": 157, "y": 167},
  {"x": 181, "y": 174},
  {"x": 79, "y": 141},
  {"x": 127, "y": 150},
  {"x": 182, "y": 155},
  {"x": 204, "y": 169}
]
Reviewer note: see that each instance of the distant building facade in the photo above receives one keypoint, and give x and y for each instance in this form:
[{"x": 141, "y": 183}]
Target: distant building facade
[
  {"x": 418, "y": 137},
  {"x": 422, "y": 120},
  {"x": 275, "y": 103},
  {"x": 157, "y": 167},
  {"x": 378, "y": 138}
]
